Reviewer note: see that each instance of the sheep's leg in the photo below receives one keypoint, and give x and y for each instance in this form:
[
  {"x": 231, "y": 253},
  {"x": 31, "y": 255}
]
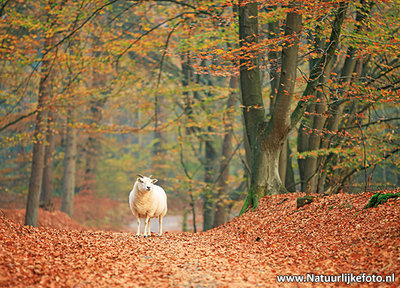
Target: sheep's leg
[
  {"x": 138, "y": 227},
  {"x": 146, "y": 226},
  {"x": 160, "y": 225}
]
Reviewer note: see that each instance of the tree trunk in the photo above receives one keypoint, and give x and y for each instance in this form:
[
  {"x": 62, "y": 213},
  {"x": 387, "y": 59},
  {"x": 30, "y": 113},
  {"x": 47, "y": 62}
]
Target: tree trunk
[
  {"x": 69, "y": 167},
  {"x": 93, "y": 146},
  {"x": 158, "y": 150},
  {"x": 266, "y": 139},
  {"x": 290, "y": 183},
  {"x": 47, "y": 189},
  {"x": 274, "y": 65},
  {"x": 95, "y": 81},
  {"x": 159, "y": 136},
  {"x": 250, "y": 82},
  {"x": 209, "y": 194},
  {"x": 222, "y": 187},
  {"x": 336, "y": 110},
  {"x": 35, "y": 181},
  {"x": 302, "y": 145},
  {"x": 314, "y": 139},
  {"x": 318, "y": 76},
  {"x": 273, "y": 59},
  {"x": 187, "y": 78},
  {"x": 323, "y": 62},
  {"x": 283, "y": 158}
]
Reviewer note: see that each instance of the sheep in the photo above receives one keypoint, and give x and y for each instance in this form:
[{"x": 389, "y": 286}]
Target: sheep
[{"x": 147, "y": 200}]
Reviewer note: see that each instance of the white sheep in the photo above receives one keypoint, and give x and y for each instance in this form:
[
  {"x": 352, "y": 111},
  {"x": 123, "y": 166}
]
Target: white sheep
[{"x": 148, "y": 201}]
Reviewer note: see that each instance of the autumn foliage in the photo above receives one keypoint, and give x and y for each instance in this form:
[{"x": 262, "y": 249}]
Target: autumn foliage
[
  {"x": 330, "y": 236},
  {"x": 224, "y": 102}
]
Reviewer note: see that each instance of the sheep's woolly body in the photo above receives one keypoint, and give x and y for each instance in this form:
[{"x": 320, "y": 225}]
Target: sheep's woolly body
[{"x": 148, "y": 204}]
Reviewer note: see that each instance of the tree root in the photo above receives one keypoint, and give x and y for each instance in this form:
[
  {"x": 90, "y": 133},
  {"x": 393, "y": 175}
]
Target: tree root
[
  {"x": 379, "y": 198},
  {"x": 302, "y": 201}
]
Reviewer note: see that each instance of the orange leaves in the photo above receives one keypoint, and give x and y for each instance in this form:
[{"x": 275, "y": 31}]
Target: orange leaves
[
  {"x": 254, "y": 107},
  {"x": 329, "y": 236}
]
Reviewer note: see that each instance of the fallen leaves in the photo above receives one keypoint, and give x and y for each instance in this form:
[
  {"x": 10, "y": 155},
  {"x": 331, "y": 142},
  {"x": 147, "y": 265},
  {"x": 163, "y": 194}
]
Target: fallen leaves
[{"x": 329, "y": 236}]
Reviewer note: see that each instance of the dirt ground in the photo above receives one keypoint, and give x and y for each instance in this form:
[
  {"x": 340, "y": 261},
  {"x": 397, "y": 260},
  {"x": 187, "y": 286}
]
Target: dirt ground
[{"x": 330, "y": 236}]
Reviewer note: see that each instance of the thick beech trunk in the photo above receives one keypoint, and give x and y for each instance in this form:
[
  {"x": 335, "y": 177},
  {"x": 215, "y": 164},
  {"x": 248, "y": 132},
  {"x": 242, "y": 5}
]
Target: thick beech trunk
[
  {"x": 283, "y": 158},
  {"x": 266, "y": 139},
  {"x": 69, "y": 167}
]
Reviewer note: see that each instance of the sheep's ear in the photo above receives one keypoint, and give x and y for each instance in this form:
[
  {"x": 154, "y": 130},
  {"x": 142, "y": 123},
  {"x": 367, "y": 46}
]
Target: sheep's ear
[
  {"x": 154, "y": 181},
  {"x": 140, "y": 180}
]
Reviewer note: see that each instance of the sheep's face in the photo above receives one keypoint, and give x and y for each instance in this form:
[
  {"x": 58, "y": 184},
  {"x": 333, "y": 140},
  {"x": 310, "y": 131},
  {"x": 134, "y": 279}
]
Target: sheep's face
[{"x": 145, "y": 183}]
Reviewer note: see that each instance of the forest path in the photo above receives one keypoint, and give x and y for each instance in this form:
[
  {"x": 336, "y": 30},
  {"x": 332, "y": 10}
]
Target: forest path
[
  {"x": 55, "y": 258},
  {"x": 172, "y": 223},
  {"x": 330, "y": 236}
]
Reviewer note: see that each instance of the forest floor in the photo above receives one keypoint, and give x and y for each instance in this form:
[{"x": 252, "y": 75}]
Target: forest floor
[{"x": 330, "y": 236}]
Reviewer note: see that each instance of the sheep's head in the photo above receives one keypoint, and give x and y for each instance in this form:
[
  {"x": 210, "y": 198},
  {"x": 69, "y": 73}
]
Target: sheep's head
[{"x": 145, "y": 183}]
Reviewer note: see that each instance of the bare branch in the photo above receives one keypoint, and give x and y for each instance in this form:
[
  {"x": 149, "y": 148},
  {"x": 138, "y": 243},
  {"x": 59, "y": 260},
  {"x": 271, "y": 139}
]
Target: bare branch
[{"x": 17, "y": 120}]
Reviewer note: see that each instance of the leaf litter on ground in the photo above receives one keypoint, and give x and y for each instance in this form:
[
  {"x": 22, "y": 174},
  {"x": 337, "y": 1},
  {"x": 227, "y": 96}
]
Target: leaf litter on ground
[{"x": 330, "y": 236}]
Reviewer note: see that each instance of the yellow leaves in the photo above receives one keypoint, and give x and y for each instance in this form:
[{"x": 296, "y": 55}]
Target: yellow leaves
[{"x": 219, "y": 51}]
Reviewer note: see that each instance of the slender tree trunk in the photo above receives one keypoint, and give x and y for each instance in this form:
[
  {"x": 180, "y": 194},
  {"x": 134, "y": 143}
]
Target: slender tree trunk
[
  {"x": 159, "y": 136},
  {"x": 69, "y": 166},
  {"x": 96, "y": 81},
  {"x": 335, "y": 111},
  {"x": 302, "y": 144},
  {"x": 290, "y": 183},
  {"x": 184, "y": 220},
  {"x": 305, "y": 134},
  {"x": 193, "y": 206},
  {"x": 317, "y": 78},
  {"x": 324, "y": 61},
  {"x": 35, "y": 181},
  {"x": 47, "y": 189},
  {"x": 222, "y": 187},
  {"x": 93, "y": 146},
  {"x": 314, "y": 140},
  {"x": 209, "y": 178},
  {"x": 187, "y": 78}
]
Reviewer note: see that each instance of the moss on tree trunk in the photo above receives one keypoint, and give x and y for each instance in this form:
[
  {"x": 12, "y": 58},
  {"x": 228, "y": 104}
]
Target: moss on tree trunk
[
  {"x": 302, "y": 201},
  {"x": 379, "y": 198}
]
